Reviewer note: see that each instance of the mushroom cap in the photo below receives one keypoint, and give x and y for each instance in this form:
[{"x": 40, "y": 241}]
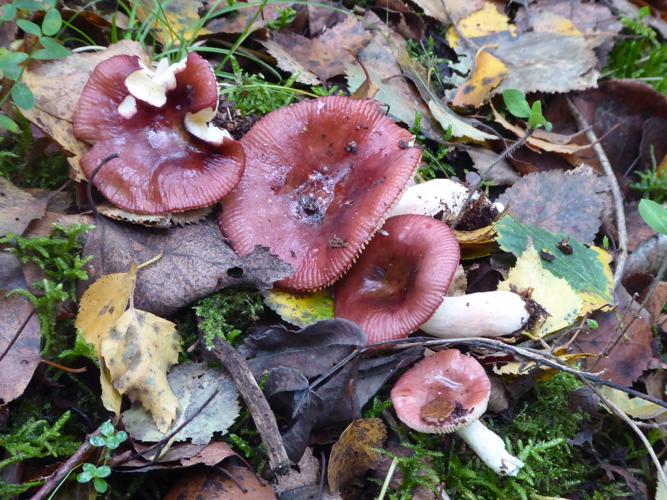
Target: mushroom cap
[
  {"x": 161, "y": 166},
  {"x": 320, "y": 177},
  {"x": 442, "y": 393},
  {"x": 400, "y": 279}
]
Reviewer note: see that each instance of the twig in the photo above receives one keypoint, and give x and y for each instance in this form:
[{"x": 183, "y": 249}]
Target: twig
[
  {"x": 64, "y": 470},
  {"x": 508, "y": 151},
  {"x": 615, "y": 191},
  {"x": 264, "y": 419},
  {"x": 387, "y": 479},
  {"x": 621, "y": 414}
]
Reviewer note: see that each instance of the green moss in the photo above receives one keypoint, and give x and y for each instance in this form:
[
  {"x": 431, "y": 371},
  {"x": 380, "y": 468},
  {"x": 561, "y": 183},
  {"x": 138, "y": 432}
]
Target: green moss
[{"x": 228, "y": 314}]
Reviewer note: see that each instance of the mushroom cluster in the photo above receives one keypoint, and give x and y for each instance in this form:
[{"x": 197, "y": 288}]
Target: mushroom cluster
[{"x": 170, "y": 158}]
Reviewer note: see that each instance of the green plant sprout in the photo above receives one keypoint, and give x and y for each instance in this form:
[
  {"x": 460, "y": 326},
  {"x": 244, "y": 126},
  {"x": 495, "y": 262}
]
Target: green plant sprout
[
  {"x": 654, "y": 214},
  {"x": 12, "y": 64},
  {"x": 518, "y": 106},
  {"x": 435, "y": 164},
  {"x": 109, "y": 439}
]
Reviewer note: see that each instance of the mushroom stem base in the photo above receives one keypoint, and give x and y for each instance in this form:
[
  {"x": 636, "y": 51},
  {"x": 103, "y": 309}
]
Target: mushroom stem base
[{"x": 490, "y": 448}]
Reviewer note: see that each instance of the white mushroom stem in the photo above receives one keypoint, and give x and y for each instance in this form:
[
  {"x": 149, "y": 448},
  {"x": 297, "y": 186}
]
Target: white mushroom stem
[
  {"x": 484, "y": 314},
  {"x": 490, "y": 448}
]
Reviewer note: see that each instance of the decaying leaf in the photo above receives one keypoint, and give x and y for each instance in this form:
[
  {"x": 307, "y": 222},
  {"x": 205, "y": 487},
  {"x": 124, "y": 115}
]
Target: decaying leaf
[
  {"x": 300, "y": 309},
  {"x": 238, "y": 482},
  {"x": 195, "y": 262},
  {"x": 502, "y": 173},
  {"x": 633, "y": 407},
  {"x": 325, "y": 55},
  {"x": 17, "y": 208},
  {"x": 240, "y": 14},
  {"x": 193, "y": 384},
  {"x": 476, "y": 243},
  {"x": 174, "y": 19},
  {"x": 178, "y": 456},
  {"x": 138, "y": 351},
  {"x": 57, "y": 86},
  {"x": 19, "y": 346},
  {"x": 554, "y": 294},
  {"x": 586, "y": 269},
  {"x": 570, "y": 202},
  {"x": 446, "y": 10},
  {"x": 354, "y": 452},
  {"x": 488, "y": 73}
]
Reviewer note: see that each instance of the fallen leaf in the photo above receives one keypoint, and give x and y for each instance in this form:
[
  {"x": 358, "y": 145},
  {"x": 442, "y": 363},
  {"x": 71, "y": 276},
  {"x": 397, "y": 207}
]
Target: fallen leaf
[
  {"x": 178, "y": 456},
  {"x": 502, "y": 173},
  {"x": 656, "y": 303},
  {"x": 355, "y": 451},
  {"x": 323, "y": 15},
  {"x": 238, "y": 482},
  {"x": 459, "y": 128},
  {"x": 286, "y": 61},
  {"x": 312, "y": 350},
  {"x": 633, "y": 407},
  {"x": 300, "y": 309},
  {"x": 569, "y": 202},
  {"x": 17, "y": 208},
  {"x": 445, "y": 10},
  {"x": 307, "y": 474},
  {"x": 586, "y": 270},
  {"x": 238, "y": 16},
  {"x": 483, "y": 22},
  {"x": 19, "y": 346},
  {"x": 552, "y": 293},
  {"x": 11, "y": 273},
  {"x": 632, "y": 355},
  {"x": 138, "y": 351},
  {"x": 638, "y": 230},
  {"x": 488, "y": 73},
  {"x": 325, "y": 55},
  {"x": 176, "y": 20},
  {"x": 193, "y": 384},
  {"x": 195, "y": 263},
  {"x": 57, "y": 86},
  {"x": 476, "y": 243}
]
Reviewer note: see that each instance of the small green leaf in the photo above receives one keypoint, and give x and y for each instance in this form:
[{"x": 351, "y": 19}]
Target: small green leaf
[
  {"x": 592, "y": 324},
  {"x": 112, "y": 442},
  {"x": 97, "y": 441},
  {"x": 52, "y": 22},
  {"x": 516, "y": 103},
  {"x": 103, "y": 471},
  {"x": 89, "y": 468},
  {"x": 654, "y": 214},
  {"x": 121, "y": 436},
  {"x": 29, "y": 27},
  {"x": 28, "y": 5},
  {"x": 107, "y": 428},
  {"x": 7, "y": 123},
  {"x": 52, "y": 50},
  {"x": 101, "y": 485},
  {"x": 84, "y": 477},
  {"x": 536, "y": 118},
  {"x": 22, "y": 96},
  {"x": 8, "y": 13}
]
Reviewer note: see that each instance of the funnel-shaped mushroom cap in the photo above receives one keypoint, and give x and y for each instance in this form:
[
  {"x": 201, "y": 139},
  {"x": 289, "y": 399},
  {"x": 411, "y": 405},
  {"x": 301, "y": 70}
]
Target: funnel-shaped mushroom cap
[
  {"x": 442, "y": 393},
  {"x": 400, "y": 279},
  {"x": 170, "y": 160},
  {"x": 320, "y": 177}
]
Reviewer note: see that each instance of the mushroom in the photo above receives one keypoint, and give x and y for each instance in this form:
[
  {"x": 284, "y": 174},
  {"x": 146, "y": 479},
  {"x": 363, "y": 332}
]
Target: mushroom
[
  {"x": 399, "y": 283},
  {"x": 448, "y": 392},
  {"x": 321, "y": 176},
  {"x": 170, "y": 159}
]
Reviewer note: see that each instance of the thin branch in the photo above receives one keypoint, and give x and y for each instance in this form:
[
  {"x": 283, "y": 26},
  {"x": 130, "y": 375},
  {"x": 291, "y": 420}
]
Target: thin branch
[
  {"x": 615, "y": 191},
  {"x": 508, "y": 151}
]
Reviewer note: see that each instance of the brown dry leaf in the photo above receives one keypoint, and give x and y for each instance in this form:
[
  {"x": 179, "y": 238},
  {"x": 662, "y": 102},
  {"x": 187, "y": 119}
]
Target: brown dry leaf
[
  {"x": 17, "y": 208},
  {"x": 489, "y": 72},
  {"x": 19, "y": 346},
  {"x": 178, "y": 456},
  {"x": 175, "y": 18},
  {"x": 353, "y": 454},
  {"x": 379, "y": 60},
  {"x": 632, "y": 355},
  {"x": 326, "y": 55},
  {"x": 502, "y": 173},
  {"x": 237, "y": 483},
  {"x": 477, "y": 243},
  {"x": 657, "y": 301},
  {"x": 195, "y": 262},
  {"x": 57, "y": 86},
  {"x": 442, "y": 10},
  {"x": 569, "y": 203},
  {"x": 138, "y": 351},
  {"x": 321, "y": 15},
  {"x": 291, "y": 64},
  {"x": 237, "y": 21}
]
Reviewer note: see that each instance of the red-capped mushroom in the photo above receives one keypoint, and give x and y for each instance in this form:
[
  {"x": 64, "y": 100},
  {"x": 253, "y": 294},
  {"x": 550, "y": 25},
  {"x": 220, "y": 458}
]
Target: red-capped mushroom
[
  {"x": 170, "y": 159},
  {"x": 448, "y": 392},
  {"x": 320, "y": 177},
  {"x": 399, "y": 285}
]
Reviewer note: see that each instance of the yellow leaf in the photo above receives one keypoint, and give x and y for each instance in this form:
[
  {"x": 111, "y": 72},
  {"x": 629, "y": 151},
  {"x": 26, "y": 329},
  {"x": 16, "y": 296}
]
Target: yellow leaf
[
  {"x": 488, "y": 73},
  {"x": 477, "y": 243},
  {"x": 548, "y": 22},
  {"x": 176, "y": 18},
  {"x": 486, "y": 21},
  {"x": 634, "y": 407},
  {"x": 554, "y": 294},
  {"x": 301, "y": 309},
  {"x": 354, "y": 452},
  {"x": 103, "y": 303},
  {"x": 138, "y": 351},
  {"x": 594, "y": 301}
]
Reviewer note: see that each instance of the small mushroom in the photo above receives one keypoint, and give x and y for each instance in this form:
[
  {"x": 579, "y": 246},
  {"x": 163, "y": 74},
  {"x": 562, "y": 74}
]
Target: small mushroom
[
  {"x": 400, "y": 281},
  {"x": 321, "y": 176},
  {"x": 448, "y": 392},
  {"x": 170, "y": 159}
]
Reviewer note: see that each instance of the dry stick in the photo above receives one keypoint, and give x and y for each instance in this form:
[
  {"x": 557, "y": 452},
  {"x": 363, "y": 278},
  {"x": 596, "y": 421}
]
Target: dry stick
[
  {"x": 621, "y": 414},
  {"x": 500, "y": 158},
  {"x": 615, "y": 191},
  {"x": 64, "y": 470},
  {"x": 264, "y": 419}
]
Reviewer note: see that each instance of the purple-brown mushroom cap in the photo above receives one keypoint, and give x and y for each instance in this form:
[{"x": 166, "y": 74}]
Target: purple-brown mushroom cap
[
  {"x": 400, "y": 279},
  {"x": 161, "y": 167},
  {"x": 320, "y": 178}
]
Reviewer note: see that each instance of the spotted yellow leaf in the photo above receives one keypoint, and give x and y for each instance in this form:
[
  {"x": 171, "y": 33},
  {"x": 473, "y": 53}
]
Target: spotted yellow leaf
[{"x": 489, "y": 71}]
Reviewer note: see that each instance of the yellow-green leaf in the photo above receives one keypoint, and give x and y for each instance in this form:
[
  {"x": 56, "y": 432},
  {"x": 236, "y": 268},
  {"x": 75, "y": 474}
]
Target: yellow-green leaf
[{"x": 301, "y": 309}]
